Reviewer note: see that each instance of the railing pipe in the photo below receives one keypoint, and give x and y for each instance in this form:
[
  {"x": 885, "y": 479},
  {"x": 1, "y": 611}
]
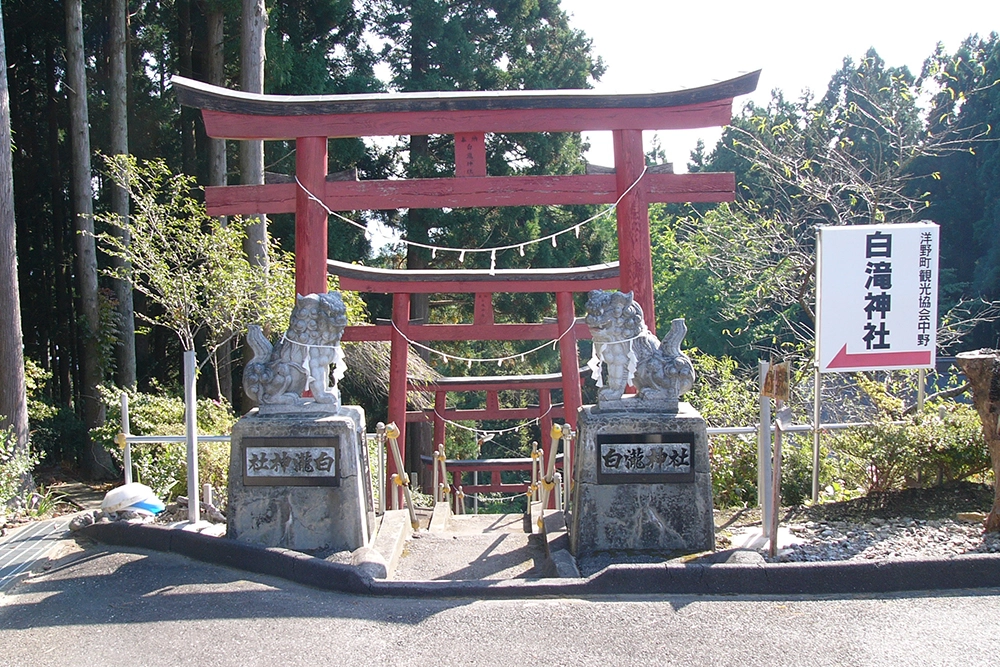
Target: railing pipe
[{"x": 126, "y": 445}]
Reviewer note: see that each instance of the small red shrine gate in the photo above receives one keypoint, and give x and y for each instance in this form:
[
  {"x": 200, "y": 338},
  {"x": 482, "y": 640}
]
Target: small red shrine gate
[{"x": 312, "y": 120}]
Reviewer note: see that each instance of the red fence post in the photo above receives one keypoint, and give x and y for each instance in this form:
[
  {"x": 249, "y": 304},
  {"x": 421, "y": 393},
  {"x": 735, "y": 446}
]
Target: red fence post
[
  {"x": 310, "y": 216},
  {"x": 634, "y": 254},
  {"x": 440, "y": 405},
  {"x": 569, "y": 357}
]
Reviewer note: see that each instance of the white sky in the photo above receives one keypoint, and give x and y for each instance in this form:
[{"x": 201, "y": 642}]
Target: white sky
[{"x": 660, "y": 45}]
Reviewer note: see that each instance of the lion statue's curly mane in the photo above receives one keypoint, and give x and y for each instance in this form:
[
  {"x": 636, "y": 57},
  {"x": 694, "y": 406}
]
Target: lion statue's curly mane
[
  {"x": 302, "y": 358},
  {"x": 659, "y": 371}
]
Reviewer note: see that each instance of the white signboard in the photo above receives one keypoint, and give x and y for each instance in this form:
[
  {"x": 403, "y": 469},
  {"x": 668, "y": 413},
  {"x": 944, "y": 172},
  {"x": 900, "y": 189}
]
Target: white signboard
[{"x": 876, "y": 301}]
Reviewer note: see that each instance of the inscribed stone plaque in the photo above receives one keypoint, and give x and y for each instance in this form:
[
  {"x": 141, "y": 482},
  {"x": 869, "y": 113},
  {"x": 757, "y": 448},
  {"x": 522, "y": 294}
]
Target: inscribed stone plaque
[
  {"x": 291, "y": 461},
  {"x": 645, "y": 458}
]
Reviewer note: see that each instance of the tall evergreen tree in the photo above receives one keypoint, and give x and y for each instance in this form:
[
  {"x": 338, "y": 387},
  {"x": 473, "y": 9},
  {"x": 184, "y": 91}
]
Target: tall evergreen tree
[
  {"x": 488, "y": 45},
  {"x": 118, "y": 145},
  {"x": 96, "y": 460},
  {"x": 13, "y": 400},
  {"x": 964, "y": 186}
]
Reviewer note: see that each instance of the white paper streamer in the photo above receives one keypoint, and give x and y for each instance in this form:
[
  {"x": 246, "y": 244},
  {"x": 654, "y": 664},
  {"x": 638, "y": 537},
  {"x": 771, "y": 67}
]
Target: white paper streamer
[
  {"x": 339, "y": 366},
  {"x": 595, "y": 366}
]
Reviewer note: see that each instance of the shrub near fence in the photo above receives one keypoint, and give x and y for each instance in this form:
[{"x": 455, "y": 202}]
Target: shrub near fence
[{"x": 162, "y": 467}]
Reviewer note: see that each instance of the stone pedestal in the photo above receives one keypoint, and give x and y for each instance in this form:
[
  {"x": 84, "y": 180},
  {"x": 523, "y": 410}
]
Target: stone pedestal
[
  {"x": 642, "y": 482},
  {"x": 301, "y": 481}
]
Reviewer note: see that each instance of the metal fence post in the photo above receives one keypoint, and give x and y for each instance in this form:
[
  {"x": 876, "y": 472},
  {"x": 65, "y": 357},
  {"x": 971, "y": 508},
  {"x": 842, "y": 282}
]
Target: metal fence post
[
  {"x": 127, "y": 446},
  {"x": 191, "y": 426},
  {"x": 764, "y": 452},
  {"x": 817, "y": 416}
]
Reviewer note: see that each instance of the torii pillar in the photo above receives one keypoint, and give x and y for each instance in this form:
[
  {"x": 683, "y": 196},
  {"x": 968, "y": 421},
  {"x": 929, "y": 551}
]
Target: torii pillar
[{"x": 310, "y": 216}]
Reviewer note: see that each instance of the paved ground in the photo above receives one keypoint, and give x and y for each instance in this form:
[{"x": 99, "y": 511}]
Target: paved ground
[
  {"x": 25, "y": 547},
  {"x": 101, "y": 606},
  {"x": 484, "y": 546}
]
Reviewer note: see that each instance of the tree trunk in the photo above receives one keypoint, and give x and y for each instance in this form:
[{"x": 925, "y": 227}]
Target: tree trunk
[
  {"x": 13, "y": 400},
  {"x": 185, "y": 66},
  {"x": 254, "y": 25},
  {"x": 62, "y": 373},
  {"x": 217, "y": 168},
  {"x": 419, "y": 436},
  {"x": 97, "y": 461},
  {"x": 118, "y": 107},
  {"x": 982, "y": 368}
]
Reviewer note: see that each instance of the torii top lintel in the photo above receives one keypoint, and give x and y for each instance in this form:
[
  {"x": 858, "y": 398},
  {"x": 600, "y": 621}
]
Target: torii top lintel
[{"x": 232, "y": 114}]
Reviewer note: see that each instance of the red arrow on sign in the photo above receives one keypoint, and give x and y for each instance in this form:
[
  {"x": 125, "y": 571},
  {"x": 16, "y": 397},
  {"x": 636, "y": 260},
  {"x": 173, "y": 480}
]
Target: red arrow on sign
[{"x": 880, "y": 359}]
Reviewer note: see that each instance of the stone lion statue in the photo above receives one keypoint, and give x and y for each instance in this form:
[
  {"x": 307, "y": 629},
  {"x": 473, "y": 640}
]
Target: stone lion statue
[
  {"x": 659, "y": 371},
  {"x": 302, "y": 358}
]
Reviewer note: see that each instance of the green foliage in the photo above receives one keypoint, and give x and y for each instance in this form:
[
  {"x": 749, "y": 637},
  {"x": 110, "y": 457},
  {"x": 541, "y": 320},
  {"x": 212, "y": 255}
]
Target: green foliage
[
  {"x": 163, "y": 467},
  {"x": 878, "y": 457},
  {"x": 189, "y": 265},
  {"x": 727, "y": 397},
  {"x": 57, "y": 434},
  {"x": 15, "y": 464},
  {"x": 950, "y": 443},
  {"x": 39, "y": 504},
  {"x": 733, "y": 276},
  {"x": 943, "y": 443}
]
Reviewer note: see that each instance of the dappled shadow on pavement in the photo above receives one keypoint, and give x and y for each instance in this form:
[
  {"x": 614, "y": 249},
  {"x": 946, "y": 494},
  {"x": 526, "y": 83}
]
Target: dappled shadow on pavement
[{"x": 102, "y": 586}]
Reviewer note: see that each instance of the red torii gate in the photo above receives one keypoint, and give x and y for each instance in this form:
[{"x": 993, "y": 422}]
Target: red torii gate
[{"x": 312, "y": 120}]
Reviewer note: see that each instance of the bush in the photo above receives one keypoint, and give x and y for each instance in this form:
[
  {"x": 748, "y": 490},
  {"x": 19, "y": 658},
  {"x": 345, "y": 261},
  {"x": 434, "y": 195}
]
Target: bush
[
  {"x": 949, "y": 440},
  {"x": 57, "y": 434},
  {"x": 943, "y": 443},
  {"x": 15, "y": 465},
  {"x": 877, "y": 457},
  {"x": 726, "y": 397},
  {"x": 163, "y": 467}
]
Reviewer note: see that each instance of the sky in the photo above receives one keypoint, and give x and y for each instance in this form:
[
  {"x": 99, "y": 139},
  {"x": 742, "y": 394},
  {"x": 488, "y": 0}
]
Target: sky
[{"x": 661, "y": 45}]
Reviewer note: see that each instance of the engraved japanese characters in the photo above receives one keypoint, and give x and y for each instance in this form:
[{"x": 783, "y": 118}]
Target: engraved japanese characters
[
  {"x": 303, "y": 358},
  {"x": 659, "y": 371}
]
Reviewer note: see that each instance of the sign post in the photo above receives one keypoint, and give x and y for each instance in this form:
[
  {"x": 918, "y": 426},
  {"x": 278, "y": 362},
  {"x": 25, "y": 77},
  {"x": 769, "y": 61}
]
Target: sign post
[{"x": 876, "y": 302}]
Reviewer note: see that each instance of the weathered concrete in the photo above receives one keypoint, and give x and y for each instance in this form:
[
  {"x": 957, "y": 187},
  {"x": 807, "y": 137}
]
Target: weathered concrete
[
  {"x": 643, "y": 507},
  {"x": 308, "y": 508},
  {"x": 393, "y": 531}
]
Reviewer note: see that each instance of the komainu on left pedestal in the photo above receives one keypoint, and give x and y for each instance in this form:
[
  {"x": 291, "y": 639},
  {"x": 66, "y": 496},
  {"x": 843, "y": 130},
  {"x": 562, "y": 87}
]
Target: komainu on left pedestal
[{"x": 303, "y": 358}]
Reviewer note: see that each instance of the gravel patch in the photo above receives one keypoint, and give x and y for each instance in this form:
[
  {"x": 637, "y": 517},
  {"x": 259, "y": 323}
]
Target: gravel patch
[{"x": 884, "y": 539}]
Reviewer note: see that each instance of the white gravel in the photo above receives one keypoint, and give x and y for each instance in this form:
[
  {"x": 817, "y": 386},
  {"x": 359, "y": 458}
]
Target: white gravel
[{"x": 884, "y": 539}]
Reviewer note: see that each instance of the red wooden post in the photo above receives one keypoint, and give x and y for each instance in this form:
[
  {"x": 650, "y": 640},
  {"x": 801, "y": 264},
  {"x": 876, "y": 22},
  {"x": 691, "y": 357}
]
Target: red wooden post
[
  {"x": 397, "y": 382},
  {"x": 483, "y": 309},
  {"x": 545, "y": 423},
  {"x": 634, "y": 255},
  {"x": 310, "y": 216},
  {"x": 470, "y": 154},
  {"x": 569, "y": 357},
  {"x": 440, "y": 406}
]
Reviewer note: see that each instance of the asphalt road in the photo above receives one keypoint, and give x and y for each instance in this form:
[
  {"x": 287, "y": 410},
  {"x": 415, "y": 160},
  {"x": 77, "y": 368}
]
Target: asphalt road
[{"x": 102, "y": 606}]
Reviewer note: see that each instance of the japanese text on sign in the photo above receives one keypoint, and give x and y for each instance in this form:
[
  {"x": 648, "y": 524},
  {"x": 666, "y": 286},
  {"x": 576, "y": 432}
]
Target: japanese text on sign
[
  {"x": 645, "y": 458},
  {"x": 876, "y": 305},
  {"x": 879, "y": 283},
  {"x": 291, "y": 461}
]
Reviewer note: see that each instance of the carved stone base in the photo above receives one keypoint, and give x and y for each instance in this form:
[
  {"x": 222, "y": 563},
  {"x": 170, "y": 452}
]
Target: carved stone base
[
  {"x": 301, "y": 481},
  {"x": 633, "y": 403},
  {"x": 306, "y": 406},
  {"x": 642, "y": 482}
]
